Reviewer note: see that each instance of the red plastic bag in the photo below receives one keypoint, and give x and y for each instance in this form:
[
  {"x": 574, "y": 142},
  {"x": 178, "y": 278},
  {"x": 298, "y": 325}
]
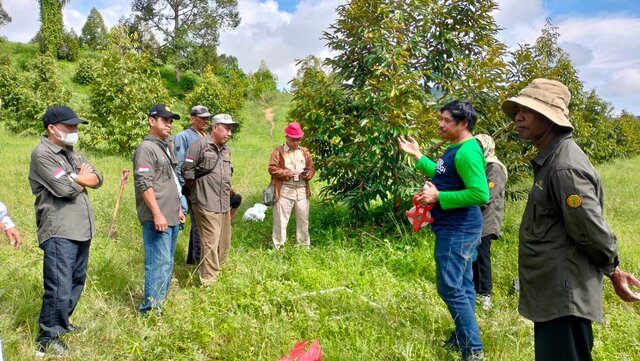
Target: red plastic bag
[{"x": 314, "y": 353}]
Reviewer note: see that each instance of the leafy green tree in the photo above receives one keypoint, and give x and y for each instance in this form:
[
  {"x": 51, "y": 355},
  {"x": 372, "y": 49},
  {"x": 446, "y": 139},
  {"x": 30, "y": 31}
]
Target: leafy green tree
[
  {"x": 94, "y": 32},
  {"x": 4, "y": 17},
  {"x": 394, "y": 61},
  {"x": 85, "y": 71},
  {"x": 187, "y": 26},
  {"x": 26, "y": 95},
  {"x": 70, "y": 46},
  {"x": 52, "y": 28},
  {"x": 218, "y": 96},
  {"x": 262, "y": 83},
  {"x": 627, "y": 130},
  {"x": 125, "y": 87},
  {"x": 146, "y": 39}
]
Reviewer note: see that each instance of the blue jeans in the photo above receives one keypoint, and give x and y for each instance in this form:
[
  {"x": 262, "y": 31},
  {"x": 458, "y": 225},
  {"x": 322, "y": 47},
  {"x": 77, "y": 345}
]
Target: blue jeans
[
  {"x": 64, "y": 273},
  {"x": 453, "y": 255},
  {"x": 159, "y": 249}
]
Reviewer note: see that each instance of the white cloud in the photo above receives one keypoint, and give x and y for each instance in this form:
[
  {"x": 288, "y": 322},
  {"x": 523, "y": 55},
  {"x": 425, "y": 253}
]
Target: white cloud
[
  {"x": 25, "y": 21},
  {"x": 278, "y": 37},
  {"x": 604, "y": 48}
]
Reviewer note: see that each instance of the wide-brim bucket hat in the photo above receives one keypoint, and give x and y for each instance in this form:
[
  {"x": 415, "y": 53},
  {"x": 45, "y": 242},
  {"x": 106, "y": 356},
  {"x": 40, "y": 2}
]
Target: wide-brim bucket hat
[
  {"x": 294, "y": 130},
  {"x": 548, "y": 97}
]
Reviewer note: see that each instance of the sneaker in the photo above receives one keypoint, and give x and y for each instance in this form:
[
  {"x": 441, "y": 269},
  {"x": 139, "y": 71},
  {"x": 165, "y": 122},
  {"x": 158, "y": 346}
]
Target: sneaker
[
  {"x": 485, "y": 302},
  {"x": 516, "y": 285},
  {"x": 75, "y": 329},
  {"x": 54, "y": 348},
  {"x": 479, "y": 356}
]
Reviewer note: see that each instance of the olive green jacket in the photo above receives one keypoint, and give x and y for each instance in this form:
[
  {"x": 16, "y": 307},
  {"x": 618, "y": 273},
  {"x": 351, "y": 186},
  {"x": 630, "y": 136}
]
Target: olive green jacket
[{"x": 565, "y": 244}]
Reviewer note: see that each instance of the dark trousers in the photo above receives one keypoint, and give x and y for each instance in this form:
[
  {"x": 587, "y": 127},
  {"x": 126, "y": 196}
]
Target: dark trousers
[
  {"x": 64, "y": 273},
  {"x": 568, "y": 338},
  {"x": 193, "y": 253},
  {"x": 482, "y": 268}
]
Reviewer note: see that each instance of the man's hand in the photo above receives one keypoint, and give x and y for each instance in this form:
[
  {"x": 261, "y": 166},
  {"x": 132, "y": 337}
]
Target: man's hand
[
  {"x": 85, "y": 168},
  {"x": 410, "y": 146},
  {"x": 181, "y": 216},
  {"x": 428, "y": 195},
  {"x": 160, "y": 222},
  {"x": 622, "y": 282},
  {"x": 14, "y": 237}
]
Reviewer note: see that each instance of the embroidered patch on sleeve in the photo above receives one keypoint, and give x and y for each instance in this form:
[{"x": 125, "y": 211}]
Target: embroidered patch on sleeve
[
  {"x": 189, "y": 160},
  {"x": 574, "y": 201},
  {"x": 143, "y": 168},
  {"x": 491, "y": 184},
  {"x": 58, "y": 173}
]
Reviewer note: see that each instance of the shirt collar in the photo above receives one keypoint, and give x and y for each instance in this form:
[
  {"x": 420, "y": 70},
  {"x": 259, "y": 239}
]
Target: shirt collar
[
  {"x": 544, "y": 154},
  {"x": 53, "y": 146},
  {"x": 287, "y": 148}
]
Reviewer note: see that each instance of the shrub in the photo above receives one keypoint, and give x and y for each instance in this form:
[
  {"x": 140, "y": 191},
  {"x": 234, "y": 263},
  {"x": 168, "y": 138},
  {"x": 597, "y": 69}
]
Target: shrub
[
  {"x": 214, "y": 95},
  {"x": 26, "y": 95},
  {"x": 69, "y": 47},
  {"x": 124, "y": 88},
  {"x": 85, "y": 71}
]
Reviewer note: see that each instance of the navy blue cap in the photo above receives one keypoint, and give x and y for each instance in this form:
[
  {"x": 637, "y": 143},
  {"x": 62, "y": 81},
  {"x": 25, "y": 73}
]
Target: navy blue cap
[
  {"x": 161, "y": 110},
  {"x": 61, "y": 114}
]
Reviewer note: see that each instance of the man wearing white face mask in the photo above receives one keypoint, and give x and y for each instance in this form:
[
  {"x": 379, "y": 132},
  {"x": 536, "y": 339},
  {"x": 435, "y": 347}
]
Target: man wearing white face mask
[{"x": 59, "y": 177}]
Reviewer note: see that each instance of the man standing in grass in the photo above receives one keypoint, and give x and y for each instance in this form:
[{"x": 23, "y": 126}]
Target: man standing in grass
[
  {"x": 59, "y": 177},
  {"x": 158, "y": 205},
  {"x": 458, "y": 188},
  {"x": 199, "y": 123},
  {"x": 207, "y": 172},
  {"x": 566, "y": 246}
]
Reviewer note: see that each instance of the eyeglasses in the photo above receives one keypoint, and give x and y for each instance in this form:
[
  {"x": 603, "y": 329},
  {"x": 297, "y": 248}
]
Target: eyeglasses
[{"x": 295, "y": 139}]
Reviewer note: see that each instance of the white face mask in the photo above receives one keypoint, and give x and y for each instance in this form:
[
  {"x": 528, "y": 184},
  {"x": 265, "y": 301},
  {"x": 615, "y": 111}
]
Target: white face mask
[{"x": 67, "y": 138}]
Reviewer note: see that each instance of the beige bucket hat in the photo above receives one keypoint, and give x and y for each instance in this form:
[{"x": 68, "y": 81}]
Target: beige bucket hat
[{"x": 547, "y": 97}]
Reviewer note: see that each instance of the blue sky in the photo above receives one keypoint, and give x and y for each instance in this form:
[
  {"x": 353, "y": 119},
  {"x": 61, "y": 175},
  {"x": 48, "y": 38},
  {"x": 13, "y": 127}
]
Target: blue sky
[{"x": 601, "y": 36}]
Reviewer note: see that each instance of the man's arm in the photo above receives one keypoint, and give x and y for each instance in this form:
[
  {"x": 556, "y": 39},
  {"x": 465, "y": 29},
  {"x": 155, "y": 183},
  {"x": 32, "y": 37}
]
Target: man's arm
[
  {"x": 7, "y": 225},
  {"x": 470, "y": 166},
  {"x": 575, "y": 193}
]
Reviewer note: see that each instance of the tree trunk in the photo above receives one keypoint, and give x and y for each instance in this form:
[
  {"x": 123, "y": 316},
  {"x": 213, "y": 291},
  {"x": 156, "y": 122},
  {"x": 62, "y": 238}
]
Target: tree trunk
[{"x": 177, "y": 73}]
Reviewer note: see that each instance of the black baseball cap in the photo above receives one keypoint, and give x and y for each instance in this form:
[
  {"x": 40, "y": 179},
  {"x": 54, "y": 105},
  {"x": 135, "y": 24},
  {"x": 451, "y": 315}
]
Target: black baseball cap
[
  {"x": 61, "y": 114},
  {"x": 161, "y": 110}
]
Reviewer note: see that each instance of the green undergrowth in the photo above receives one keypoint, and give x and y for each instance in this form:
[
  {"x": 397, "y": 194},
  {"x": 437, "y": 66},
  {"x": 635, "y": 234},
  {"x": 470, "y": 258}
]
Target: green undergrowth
[{"x": 365, "y": 292}]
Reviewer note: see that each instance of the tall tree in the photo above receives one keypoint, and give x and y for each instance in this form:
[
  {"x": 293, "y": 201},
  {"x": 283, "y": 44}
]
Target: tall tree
[
  {"x": 187, "y": 26},
  {"x": 393, "y": 62},
  {"x": 94, "y": 32},
  {"x": 4, "y": 17},
  {"x": 51, "y": 28}
]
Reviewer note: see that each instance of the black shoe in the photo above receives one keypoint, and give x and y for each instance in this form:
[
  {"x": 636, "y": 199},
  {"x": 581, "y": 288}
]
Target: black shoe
[
  {"x": 452, "y": 342},
  {"x": 479, "y": 356},
  {"x": 76, "y": 330},
  {"x": 51, "y": 348}
]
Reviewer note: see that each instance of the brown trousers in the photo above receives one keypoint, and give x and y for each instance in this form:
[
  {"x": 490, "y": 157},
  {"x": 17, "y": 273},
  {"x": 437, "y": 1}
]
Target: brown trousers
[{"x": 215, "y": 242}]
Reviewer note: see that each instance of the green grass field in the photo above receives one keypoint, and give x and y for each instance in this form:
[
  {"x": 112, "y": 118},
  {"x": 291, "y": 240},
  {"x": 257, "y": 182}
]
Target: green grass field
[{"x": 381, "y": 302}]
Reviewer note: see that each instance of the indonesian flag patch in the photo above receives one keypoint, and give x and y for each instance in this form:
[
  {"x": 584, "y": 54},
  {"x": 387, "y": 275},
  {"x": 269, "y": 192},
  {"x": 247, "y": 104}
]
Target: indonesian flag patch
[
  {"x": 58, "y": 173},
  {"x": 143, "y": 168},
  {"x": 189, "y": 160}
]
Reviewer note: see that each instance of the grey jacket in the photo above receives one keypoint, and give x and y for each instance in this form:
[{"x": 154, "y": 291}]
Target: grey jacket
[
  {"x": 154, "y": 168},
  {"x": 565, "y": 244},
  {"x": 62, "y": 206},
  {"x": 493, "y": 211},
  {"x": 212, "y": 190}
]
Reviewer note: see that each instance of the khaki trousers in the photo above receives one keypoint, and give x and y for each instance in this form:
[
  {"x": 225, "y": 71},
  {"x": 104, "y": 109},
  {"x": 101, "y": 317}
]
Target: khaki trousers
[
  {"x": 215, "y": 242},
  {"x": 281, "y": 213}
]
